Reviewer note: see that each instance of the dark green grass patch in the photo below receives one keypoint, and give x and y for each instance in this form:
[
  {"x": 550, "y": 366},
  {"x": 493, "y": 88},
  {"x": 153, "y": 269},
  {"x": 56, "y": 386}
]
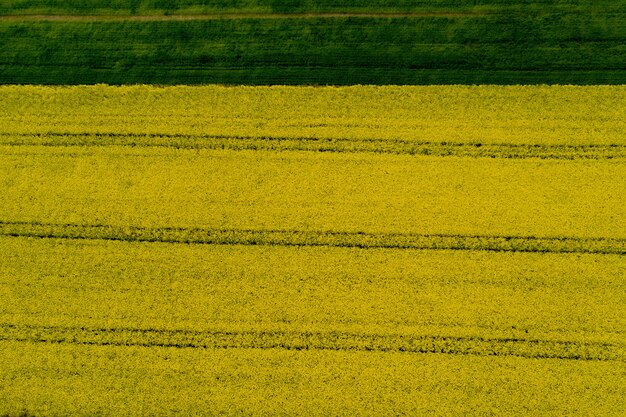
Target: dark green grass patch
[
  {"x": 157, "y": 7},
  {"x": 496, "y": 49}
]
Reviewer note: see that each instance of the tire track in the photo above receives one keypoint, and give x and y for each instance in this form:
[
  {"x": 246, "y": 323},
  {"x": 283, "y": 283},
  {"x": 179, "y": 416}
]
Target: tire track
[
  {"x": 361, "y": 240},
  {"x": 267, "y": 143},
  {"x": 308, "y": 340}
]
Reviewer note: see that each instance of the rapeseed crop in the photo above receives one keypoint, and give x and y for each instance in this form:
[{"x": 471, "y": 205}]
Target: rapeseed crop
[
  {"x": 364, "y": 250},
  {"x": 82, "y": 380},
  {"x": 242, "y": 288},
  {"x": 532, "y": 117},
  {"x": 300, "y": 191}
]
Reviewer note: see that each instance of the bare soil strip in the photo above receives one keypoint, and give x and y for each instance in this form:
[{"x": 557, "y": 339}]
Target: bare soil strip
[
  {"x": 361, "y": 240},
  {"x": 386, "y": 146}
]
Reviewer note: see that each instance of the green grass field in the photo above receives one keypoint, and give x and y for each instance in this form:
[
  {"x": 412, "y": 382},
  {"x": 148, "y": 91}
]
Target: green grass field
[
  {"x": 363, "y": 250},
  {"x": 533, "y": 46},
  {"x": 194, "y": 7}
]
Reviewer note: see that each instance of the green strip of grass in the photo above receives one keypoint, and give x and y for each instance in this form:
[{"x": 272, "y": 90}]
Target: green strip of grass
[
  {"x": 490, "y": 49},
  {"x": 143, "y": 7}
]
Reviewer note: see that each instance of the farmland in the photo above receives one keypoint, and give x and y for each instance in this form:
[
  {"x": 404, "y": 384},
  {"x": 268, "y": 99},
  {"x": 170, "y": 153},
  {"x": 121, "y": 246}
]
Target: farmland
[
  {"x": 445, "y": 301},
  {"x": 112, "y": 379},
  {"x": 208, "y": 7},
  {"x": 571, "y": 45},
  {"x": 231, "y": 190},
  {"x": 312, "y": 207},
  {"x": 435, "y": 250},
  {"x": 545, "y": 118}
]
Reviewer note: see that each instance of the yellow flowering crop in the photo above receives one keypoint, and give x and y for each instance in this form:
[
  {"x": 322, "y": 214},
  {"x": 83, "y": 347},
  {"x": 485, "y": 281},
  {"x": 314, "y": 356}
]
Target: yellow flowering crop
[
  {"x": 440, "y": 250},
  {"x": 523, "y": 115}
]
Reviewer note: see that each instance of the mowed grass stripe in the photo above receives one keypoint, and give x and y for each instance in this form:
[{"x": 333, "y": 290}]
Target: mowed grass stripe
[
  {"x": 320, "y": 144},
  {"x": 240, "y": 15},
  {"x": 295, "y": 7},
  {"x": 315, "y": 340},
  {"x": 199, "y": 235}
]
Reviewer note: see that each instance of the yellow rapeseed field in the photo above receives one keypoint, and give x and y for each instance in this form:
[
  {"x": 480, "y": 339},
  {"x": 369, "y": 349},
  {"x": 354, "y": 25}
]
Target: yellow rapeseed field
[
  {"x": 523, "y": 115},
  {"x": 355, "y": 192},
  {"x": 437, "y": 250}
]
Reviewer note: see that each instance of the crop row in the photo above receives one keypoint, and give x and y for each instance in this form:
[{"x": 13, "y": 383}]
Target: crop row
[
  {"x": 564, "y": 297},
  {"x": 317, "y": 192}
]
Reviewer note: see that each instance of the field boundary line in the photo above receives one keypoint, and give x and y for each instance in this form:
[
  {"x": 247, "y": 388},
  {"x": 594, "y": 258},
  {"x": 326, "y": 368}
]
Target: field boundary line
[
  {"x": 362, "y": 240},
  {"x": 309, "y": 340},
  {"x": 318, "y": 144}
]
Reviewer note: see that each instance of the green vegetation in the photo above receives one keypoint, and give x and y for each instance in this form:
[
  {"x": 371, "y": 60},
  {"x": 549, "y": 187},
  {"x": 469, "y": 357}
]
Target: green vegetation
[
  {"x": 527, "y": 48},
  {"x": 316, "y": 340},
  {"x": 313, "y": 238},
  {"x": 155, "y": 7},
  {"x": 397, "y": 146}
]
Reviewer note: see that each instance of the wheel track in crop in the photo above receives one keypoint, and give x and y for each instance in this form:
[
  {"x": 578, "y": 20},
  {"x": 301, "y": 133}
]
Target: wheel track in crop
[
  {"x": 363, "y": 240},
  {"x": 311, "y": 340},
  {"x": 314, "y": 144}
]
